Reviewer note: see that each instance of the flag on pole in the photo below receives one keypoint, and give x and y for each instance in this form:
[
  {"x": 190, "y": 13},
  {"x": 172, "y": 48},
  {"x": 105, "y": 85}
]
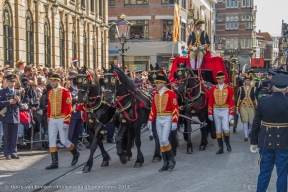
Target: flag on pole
[{"x": 176, "y": 23}]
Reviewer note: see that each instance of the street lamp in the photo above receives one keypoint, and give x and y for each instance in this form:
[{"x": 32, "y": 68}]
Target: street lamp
[
  {"x": 123, "y": 32},
  {"x": 55, "y": 7}
]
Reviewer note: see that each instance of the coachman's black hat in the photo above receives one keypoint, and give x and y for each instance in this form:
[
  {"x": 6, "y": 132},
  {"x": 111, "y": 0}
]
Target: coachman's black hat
[
  {"x": 247, "y": 76},
  {"x": 198, "y": 21},
  {"x": 11, "y": 77},
  {"x": 250, "y": 71},
  {"x": 220, "y": 75},
  {"x": 160, "y": 79},
  {"x": 280, "y": 81},
  {"x": 55, "y": 76}
]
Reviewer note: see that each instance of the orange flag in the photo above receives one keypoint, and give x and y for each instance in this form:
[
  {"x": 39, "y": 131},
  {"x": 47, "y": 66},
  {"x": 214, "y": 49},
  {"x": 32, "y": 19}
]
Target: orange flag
[{"x": 176, "y": 23}]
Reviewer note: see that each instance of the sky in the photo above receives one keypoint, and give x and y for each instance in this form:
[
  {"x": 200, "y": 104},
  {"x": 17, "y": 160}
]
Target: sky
[{"x": 270, "y": 15}]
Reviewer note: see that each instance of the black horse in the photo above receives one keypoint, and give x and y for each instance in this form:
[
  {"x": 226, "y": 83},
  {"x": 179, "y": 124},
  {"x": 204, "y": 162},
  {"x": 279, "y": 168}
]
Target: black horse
[
  {"x": 132, "y": 111},
  {"x": 90, "y": 97},
  {"x": 154, "y": 72},
  {"x": 195, "y": 104}
]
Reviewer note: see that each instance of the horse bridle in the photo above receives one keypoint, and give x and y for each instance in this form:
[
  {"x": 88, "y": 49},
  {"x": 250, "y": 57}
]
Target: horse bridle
[{"x": 115, "y": 82}]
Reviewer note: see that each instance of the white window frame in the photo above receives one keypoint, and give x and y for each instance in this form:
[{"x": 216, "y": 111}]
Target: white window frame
[
  {"x": 246, "y": 3},
  {"x": 220, "y": 18}
]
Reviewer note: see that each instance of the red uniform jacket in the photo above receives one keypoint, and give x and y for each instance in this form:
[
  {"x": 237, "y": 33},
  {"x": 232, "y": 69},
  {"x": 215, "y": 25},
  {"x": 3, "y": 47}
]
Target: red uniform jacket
[
  {"x": 59, "y": 104},
  {"x": 164, "y": 105},
  {"x": 221, "y": 99}
]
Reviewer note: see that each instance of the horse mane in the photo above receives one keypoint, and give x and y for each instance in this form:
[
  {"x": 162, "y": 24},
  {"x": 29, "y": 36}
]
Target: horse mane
[
  {"x": 129, "y": 84},
  {"x": 94, "y": 76}
]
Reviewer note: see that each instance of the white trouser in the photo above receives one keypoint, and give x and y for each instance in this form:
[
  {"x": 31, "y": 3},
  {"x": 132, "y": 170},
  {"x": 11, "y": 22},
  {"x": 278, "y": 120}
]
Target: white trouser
[
  {"x": 245, "y": 128},
  {"x": 54, "y": 126},
  {"x": 163, "y": 127},
  {"x": 221, "y": 118}
]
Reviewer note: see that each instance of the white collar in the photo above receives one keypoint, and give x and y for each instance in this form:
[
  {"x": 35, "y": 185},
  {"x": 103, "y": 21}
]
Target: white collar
[
  {"x": 161, "y": 91},
  {"x": 221, "y": 86}
]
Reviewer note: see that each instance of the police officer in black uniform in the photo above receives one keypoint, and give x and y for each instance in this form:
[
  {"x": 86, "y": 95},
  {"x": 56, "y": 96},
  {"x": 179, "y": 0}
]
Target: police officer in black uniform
[
  {"x": 270, "y": 133},
  {"x": 76, "y": 122},
  {"x": 9, "y": 114},
  {"x": 271, "y": 73},
  {"x": 138, "y": 78}
]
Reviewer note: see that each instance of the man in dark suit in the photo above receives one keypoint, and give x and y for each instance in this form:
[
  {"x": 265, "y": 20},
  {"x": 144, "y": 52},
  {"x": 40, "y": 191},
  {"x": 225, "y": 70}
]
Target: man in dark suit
[
  {"x": 76, "y": 122},
  {"x": 138, "y": 78},
  {"x": 270, "y": 133},
  {"x": 9, "y": 103}
]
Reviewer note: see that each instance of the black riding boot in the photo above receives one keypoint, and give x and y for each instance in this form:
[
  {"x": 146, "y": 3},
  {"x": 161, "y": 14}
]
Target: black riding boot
[
  {"x": 76, "y": 155},
  {"x": 54, "y": 164},
  {"x": 165, "y": 165},
  {"x": 229, "y": 149},
  {"x": 220, "y": 143},
  {"x": 171, "y": 161}
]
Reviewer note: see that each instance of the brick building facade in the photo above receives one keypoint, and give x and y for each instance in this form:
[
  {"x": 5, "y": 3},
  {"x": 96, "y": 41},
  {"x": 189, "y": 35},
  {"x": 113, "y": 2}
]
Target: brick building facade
[
  {"x": 33, "y": 32},
  {"x": 151, "y": 34},
  {"x": 235, "y": 28}
]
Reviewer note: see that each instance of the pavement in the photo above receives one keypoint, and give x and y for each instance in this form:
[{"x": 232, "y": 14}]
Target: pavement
[{"x": 202, "y": 171}]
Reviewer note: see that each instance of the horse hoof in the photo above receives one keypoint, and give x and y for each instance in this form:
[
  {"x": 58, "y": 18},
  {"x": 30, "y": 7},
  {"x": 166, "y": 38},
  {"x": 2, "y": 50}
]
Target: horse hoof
[
  {"x": 138, "y": 165},
  {"x": 123, "y": 159},
  {"x": 202, "y": 148},
  {"x": 189, "y": 150},
  {"x": 156, "y": 159},
  {"x": 151, "y": 137},
  {"x": 86, "y": 169},
  {"x": 105, "y": 164}
]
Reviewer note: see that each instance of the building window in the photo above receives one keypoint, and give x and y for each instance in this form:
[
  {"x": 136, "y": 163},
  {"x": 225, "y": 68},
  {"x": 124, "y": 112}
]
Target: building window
[
  {"x": 83, "y": 3},
  {"x": 47, "y": 39},
  {"x": 231, "y": 22},
  {"x": 111, "y": 2},
  {"x": 246, "y": 43},
  {"x": 169, "y": 1},
  {"x": 246, "y": 3},
  {"x": 74, "y": 44},
  {"x": 167, "y": 30},
  {"x": 231, "y": 4},
  {"x": 220, "y": 18},
  {"x": 231, "y": 44},
  {"x": 62, "y": 45},
  {"x": 183, "y": 4},
  {"x": 92, "y": 6},
  {"x": 84, "y": 49},
  {"x": 183, "y": 32},
  {"x": 139, "y": 29},
  {"x": 100, "y": 6},
  {"x": 112, "y": 32},
  {"x": 249, "y": 25},
  {"x": 29, "y": 39},
  {"x": 94, "y": 53},
  {"x": 220, "y": 1},
  {"x": 136, "y": 2},
  {"x": 8, "y": 36}
]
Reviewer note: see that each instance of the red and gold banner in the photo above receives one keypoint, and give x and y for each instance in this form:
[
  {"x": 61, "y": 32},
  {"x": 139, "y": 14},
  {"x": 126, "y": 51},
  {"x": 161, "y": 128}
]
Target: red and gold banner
[{"x": 176, "y": 23}]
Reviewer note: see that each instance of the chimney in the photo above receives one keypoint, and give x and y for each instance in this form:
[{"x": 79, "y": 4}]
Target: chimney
[{"x": 259, "y": 31}]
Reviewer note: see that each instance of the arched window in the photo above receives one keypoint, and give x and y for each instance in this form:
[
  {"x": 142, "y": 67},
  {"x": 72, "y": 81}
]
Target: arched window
[
  {"x": 74, "y": 44},
  {"x": 47, "y": 44},
  {"x": 84, "y": 48},
  {"x": 62, "y": 45},
  {"x": 8, "y": 36},
  {"x": 94, "y": 52},
  {"x": 29, "y": 39}
]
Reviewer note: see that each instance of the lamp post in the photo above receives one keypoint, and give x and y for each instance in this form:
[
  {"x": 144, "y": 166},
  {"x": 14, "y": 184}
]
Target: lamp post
[
  {"x": 55, "y": 7},
  {"x": 123, "y": 31}
]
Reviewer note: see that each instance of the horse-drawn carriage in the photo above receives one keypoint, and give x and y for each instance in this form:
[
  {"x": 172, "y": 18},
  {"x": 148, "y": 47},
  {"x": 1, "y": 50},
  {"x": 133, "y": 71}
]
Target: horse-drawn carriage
[{"x": 116, "y": 99}]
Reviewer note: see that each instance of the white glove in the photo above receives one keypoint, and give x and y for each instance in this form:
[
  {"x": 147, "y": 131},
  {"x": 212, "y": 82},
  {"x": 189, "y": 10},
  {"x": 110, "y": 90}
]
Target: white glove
[
  {"x": 210, "y": 117},
  {"x": 174, "y": 126},
  {"x": 149, "y": 125},
  {"x": 253, "y": 148},
  {"x": 65, "y": 126},
  {"x": 194, "y": 48},
  {"x": 201, "y": 47},
  {"x": 231, "y": 117}
]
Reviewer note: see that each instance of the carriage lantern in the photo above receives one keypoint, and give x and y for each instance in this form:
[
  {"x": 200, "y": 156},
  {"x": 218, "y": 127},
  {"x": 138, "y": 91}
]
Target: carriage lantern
[{"x": 123, "y": 29}]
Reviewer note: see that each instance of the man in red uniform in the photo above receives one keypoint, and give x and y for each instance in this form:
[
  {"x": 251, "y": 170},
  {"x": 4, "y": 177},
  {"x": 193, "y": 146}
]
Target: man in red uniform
[
  {"x": 221, "y": 109},
  {"x": 59, "y": 113},
  {"x": 165, "y": 110}
]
